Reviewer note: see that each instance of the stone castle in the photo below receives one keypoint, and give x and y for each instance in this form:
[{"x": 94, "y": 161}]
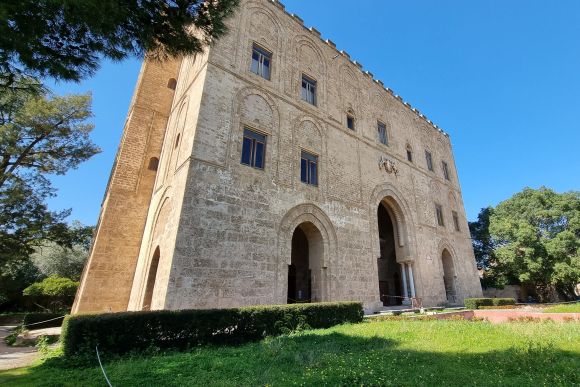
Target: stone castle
[{"x": 272, "y": 169}]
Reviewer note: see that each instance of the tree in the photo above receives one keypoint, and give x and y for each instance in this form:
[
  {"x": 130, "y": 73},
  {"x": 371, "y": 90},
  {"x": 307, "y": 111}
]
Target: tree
[
  {"x": 54, "y": 293},
  {"x": 40, "y": 135},
  {"x": 66, "y": 39},
  {"x": 536, "y": 241},
  {"x": 52, "y": 259}
]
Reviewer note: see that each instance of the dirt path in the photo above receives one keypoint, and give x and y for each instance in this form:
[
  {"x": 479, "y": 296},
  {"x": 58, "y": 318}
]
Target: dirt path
[{"x": 15, "y": 357}]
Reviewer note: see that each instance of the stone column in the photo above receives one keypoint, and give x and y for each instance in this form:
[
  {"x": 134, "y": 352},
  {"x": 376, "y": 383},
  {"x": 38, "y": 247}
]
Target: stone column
[
  {"x": 404, "y": 275},
  {"x": 411, "y": 281}
]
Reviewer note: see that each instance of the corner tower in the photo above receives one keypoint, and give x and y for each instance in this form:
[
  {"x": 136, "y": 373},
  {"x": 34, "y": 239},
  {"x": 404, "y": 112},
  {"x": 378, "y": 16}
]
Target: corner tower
[{"x": 108, "y": 275}]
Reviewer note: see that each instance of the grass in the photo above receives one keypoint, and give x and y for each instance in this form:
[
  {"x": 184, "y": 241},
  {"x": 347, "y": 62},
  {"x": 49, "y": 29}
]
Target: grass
[
  {"x": 564, "y": 308},
  {"x": 371, "y": 353}
]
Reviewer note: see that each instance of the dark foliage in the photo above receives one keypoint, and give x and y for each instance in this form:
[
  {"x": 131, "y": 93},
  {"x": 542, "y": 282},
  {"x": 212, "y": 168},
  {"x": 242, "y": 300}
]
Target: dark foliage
[
  {"x": 120, "y": 333},
  {"x": 478, "y": 303},
  {"x": 65, "y": 40}
]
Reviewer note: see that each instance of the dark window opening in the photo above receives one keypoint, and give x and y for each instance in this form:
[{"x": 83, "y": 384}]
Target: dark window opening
[
  {"x": 350, "y": 121},
  {"x": 261, "y": 62},
  {"x": 445, "y": 170},
  {"x": 382, "y": 130},
  {"x": 439, "y": 213},
  {"x": 253, "y": 149},
  {"x": 309, "y": 168},
  {"x": 308, "y": 90},
  {"x": 172, "y": 83},
  {"x": 177, "y": 140},
  {"x": 409, "y": 154},
  {"x": 429, "y": 160},
  {"x": 153, "y": 164},
  {"x": 456, "y": 221}
]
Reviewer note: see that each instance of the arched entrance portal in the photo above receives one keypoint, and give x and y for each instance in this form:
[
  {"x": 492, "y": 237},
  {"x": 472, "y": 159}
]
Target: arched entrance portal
[
  {"x": 151, "y": 280},
  {"x": 305, "y": 276},
  {"x": 448, "y": 276},
  {"x": 389, "y": 271}
]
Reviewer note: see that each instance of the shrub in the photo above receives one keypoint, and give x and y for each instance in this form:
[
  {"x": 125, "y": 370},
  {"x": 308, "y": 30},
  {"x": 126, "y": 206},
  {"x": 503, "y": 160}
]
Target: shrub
[
  {"x": 120, "y": 333},
  {"x": 475, "y": 303},
  {"x": 54, "y": 293},
  {"x": 503, "y": 301},
  {"x": 498, "y": 307}
]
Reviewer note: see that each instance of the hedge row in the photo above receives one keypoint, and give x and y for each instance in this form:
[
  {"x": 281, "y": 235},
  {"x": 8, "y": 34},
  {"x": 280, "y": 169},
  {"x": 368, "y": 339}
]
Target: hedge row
[
  {"x": 120, "y": 333},
  {"x": 477, "y": 303}
]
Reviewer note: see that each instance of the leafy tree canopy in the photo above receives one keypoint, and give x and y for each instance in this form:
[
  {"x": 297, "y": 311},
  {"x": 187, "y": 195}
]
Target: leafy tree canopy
[
  {"x": 535, "y": 238},
  {"x": 53, "y": 286},
  {"x": 66, "y": 39},
  {"x": 40, "y": 135}
]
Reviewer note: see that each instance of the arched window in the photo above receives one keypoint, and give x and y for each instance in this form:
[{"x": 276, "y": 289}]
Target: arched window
[
  {"x": 153, "y": 164},
  {"x": 172, "y": 83},
  {"x": 350, "y": 119},
  {"x": 150, "y": 284}
]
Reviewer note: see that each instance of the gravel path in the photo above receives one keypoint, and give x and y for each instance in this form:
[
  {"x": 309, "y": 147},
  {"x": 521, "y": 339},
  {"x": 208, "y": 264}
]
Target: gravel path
[{"x": 15, "y": 357}]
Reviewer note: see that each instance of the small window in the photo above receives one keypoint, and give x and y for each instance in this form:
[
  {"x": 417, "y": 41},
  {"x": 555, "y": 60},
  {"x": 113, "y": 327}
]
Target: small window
[
  {"x": 439, "y": 213},
  {"x": 308, "y": 90},
  {"x": 350, "y": 121},
  {"x": 382, "y": 130},
  {"x": 409, "y": 154},
  {"x": 429, "y": 160},
  {"x": 445, "y": 170},
  {"x": 261, "y": 62},
  {"x": 456, "y": 221},
  {"x": 172, "y": 83},
  {"x": 153, "y": 164},
  {"x": 309, "y": 168},
  {"x": 253, "y": 149},
  {"x": 177, "y": 140}
]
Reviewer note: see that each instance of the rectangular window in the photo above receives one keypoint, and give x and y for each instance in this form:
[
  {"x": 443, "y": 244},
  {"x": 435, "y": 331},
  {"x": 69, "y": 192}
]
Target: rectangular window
[
  {"x": 409, "y": 155},
  {"x": 261, "y": 61},
  {"x": 456, "y": 221},
  {"x": 439, "y": 213},
  {"x": 350, "y": 122},
  {"x": 382, "y": 129},
  {"x": 253, "y": 149},
  {"x": 309, "y": 168},
  {"x": 445, "y": 170},
  {"x": 429, "y": 159},
  {"x": 308, "y": 90}
]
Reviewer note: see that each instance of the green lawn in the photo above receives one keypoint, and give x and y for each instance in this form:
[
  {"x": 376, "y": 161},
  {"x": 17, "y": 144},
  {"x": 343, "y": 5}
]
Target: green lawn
[
  {"x": 564, "y": 308},
  {"x": 438, "y": 353}
]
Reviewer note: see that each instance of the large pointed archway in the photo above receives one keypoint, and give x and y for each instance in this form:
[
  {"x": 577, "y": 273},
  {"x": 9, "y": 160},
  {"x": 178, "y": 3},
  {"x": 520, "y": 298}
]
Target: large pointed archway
[
  {"x": 448, "y": 276},
  {"x": 390, "y": 288},
  {"x": 150, "y": 281}
]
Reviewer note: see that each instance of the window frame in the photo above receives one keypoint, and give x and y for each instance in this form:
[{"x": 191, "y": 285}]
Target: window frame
[
  {"x": 309, "y": 159},
  {"x": 445, "y": 168},
  {"x": 409, "y": 153},
  {"x": 429, "y": 160},
  {"x": 350, "y": 121},
  {"x": 386, "y": 133},
  {"x": 439, "y": 215},
  {"x": 255, "y": 137},
  {"x": 455, "y": 217},
  {"x": 313, "y": 89},
  {"x": 263, "y": 53}
]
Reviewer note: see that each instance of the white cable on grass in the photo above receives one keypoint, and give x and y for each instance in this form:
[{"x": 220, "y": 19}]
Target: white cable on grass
[{"x": 102, "y": 369}]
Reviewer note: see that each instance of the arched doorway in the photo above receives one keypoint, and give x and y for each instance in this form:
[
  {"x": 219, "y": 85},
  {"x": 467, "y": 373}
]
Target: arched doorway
[
  {"x": 389, "y": 271},
  {"x": 305, "y": 276},
  {"x": 151, "y": 280},
  {"x": 448, "y": 276}
]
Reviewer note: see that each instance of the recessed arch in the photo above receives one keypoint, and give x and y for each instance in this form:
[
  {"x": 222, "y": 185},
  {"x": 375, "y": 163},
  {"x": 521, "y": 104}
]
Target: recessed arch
[{"x": 150, "y": 280}]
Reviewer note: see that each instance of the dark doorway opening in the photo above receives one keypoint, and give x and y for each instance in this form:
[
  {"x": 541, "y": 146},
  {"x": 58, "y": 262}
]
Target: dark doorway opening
[
  {"x": 389, "y": 271},
  {"x": 299, "y": 273}
]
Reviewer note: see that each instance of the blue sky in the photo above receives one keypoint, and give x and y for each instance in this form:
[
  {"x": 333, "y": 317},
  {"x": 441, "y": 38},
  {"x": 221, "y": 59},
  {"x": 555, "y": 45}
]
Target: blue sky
[{"x": 501, "y": 77}]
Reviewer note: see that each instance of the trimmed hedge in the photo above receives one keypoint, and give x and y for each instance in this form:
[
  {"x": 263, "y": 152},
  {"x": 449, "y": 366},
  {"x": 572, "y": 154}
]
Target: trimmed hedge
[
  {"x": 477, "y": 303},
  {"x": 121, "y": 333}
]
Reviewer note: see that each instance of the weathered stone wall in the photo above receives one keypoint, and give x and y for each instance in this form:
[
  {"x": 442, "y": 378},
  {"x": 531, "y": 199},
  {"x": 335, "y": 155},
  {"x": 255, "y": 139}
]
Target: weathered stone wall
[
  {"x": 226, "y": 239},
  {"x": 108, "y": 276}
]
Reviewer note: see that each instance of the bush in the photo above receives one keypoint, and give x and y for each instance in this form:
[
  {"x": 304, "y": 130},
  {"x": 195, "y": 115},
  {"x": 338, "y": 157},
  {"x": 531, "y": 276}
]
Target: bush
[
  {"x": 503, "y": 301},
  {"x": 53, "y": 293},
  {"x": 475, "y": 303},
  {"x": 120, "y": 333}
]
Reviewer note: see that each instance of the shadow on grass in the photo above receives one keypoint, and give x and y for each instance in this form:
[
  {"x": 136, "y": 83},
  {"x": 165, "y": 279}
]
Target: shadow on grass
[{"x": 312, "y": 358}]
